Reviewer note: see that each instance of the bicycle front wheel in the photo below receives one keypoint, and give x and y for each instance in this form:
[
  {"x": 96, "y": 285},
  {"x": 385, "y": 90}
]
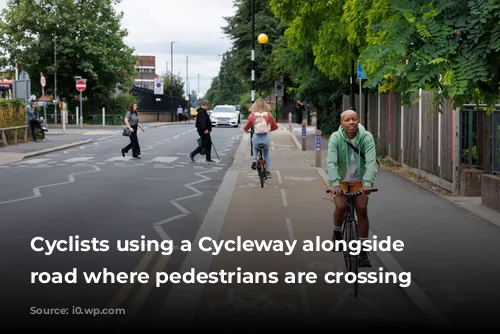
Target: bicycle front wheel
[{"x": 354, "y": 259}]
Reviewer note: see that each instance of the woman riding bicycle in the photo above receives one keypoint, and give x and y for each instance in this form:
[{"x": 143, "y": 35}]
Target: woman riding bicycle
[{"x": 262, "y": 121}]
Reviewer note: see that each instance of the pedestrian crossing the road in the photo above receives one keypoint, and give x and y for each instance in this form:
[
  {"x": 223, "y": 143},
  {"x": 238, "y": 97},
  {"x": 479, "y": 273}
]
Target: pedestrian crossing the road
[{"x": 151, "y": 158}]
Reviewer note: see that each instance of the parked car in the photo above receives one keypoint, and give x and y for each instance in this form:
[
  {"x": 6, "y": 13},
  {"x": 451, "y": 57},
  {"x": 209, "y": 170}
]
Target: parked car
[{"x": 225, "y": 115}]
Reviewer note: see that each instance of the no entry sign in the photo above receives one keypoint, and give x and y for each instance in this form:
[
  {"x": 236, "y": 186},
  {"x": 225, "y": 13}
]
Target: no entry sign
[{"x": 81, "y": 85}]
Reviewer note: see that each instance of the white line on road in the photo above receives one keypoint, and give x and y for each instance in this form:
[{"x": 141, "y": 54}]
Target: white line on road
[
  {"x": 36, "y": 190},
  {"x": 279, "y": 176},
  {"x": 289, "y": 227},
  {"x": 283, "y": 197},
  {"x": 302, "y": 288},
  {"x": 183, "y": 299},
  {"x": 190, "y": 186},
  {"x": 163, "y": 260}
]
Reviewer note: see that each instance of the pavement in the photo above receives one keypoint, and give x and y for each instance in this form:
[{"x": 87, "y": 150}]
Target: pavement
[{"x": 446, "y": 277}]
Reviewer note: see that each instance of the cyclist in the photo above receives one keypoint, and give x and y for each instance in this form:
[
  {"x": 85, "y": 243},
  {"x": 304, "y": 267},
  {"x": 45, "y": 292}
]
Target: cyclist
[
  {"x": 262, "y": 121},
  {"x": 349, "y": 172}
]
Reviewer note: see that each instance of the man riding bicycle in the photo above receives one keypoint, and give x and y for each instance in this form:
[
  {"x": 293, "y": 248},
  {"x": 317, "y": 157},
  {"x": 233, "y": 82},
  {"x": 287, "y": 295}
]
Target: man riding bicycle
[{"x": 349, "y": 172}]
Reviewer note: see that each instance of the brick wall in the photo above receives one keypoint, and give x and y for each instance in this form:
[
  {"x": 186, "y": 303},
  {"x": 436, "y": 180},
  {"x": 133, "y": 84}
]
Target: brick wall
[
  {"x": 490, "y": 191},
  {"x": 470, "y": 182}
]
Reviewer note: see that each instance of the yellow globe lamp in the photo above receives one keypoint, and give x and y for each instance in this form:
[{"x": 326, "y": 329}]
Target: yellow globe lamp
[{"x": 263, "y": 39}]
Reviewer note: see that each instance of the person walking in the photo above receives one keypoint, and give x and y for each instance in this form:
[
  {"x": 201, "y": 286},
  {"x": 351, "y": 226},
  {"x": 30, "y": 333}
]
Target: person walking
[
  {"x": 132, "y": 123},
  {"x": 204, "y": 127}
]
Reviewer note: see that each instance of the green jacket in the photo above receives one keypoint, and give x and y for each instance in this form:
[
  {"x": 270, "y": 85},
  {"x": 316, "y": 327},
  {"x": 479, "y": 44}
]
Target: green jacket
[{"x": 339, "y": 152}]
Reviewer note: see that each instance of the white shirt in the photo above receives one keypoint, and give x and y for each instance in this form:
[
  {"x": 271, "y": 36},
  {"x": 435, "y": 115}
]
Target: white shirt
[{"x": 352, "y": 175}]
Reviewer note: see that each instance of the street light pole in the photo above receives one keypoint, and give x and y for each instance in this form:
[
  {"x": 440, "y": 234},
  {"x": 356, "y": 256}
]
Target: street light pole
[
  {"x": 198, "y": 90},
  {"x": 187, "y": 86},
  {"x": 252, "y": 68},
  {"x": 55, "y": 80},
  {"x": 171, "y": 75}
]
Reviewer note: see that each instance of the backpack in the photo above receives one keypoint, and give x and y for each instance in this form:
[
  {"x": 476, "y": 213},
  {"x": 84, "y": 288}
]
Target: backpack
[{"x": 261, "y": 126}]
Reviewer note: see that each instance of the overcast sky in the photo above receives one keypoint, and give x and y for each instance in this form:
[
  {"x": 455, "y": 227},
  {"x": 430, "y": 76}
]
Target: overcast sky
[{"x": 195, "y": 26}]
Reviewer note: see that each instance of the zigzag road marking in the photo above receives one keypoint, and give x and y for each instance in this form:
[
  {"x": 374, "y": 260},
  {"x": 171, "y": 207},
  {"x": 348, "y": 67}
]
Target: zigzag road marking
[
  {"x": 140, "y": 298},
  {"x": 36, "y": 190}
]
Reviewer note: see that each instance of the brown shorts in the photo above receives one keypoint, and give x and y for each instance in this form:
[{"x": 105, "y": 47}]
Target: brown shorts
[{"x": 351, "y": 187}]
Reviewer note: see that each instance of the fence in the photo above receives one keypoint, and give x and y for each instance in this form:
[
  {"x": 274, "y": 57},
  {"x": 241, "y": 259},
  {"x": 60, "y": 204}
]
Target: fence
[
  {"x": 480, "y": 138},
  {"x": 418, "y": 136},
  {"x": 433, "y": 144}
]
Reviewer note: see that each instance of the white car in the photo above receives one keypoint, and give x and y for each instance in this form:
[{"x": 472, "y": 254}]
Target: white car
[{"x": 225, "y": 115}]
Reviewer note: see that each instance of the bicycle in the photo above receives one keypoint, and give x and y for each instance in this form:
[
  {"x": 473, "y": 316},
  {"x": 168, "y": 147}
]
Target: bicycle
[
  {"x": 261, "y": 165},
  {"x": 350, "y": 233}
]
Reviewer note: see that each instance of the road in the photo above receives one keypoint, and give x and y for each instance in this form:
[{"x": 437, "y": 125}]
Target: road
[{"x": 93, "y": 192}]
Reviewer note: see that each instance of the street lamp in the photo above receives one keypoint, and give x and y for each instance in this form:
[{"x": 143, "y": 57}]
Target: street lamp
[
  {"x": 171, "y": 74},
  {"x": 187, "y": 74},
  {"x": 262, "y": 39}
]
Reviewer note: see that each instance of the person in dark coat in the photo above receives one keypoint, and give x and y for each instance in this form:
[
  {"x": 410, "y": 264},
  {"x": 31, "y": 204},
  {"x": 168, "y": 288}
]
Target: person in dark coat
[{"x": 204, "y": 127}]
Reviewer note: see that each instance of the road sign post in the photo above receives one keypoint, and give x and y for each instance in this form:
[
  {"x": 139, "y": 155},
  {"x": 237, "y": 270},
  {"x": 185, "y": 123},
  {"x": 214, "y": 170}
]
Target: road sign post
[
  {"x": 43, "y": 83},
  {"x": 304, "y": 135},
  {"x": 318, "y": 148},
  {"x": 361, "y": 76},
  {"x": 81, "y": 85}
]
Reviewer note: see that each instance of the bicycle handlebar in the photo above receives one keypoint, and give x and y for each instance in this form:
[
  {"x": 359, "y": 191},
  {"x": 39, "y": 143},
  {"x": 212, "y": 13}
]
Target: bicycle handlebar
[{"x": 357, "y": 193}]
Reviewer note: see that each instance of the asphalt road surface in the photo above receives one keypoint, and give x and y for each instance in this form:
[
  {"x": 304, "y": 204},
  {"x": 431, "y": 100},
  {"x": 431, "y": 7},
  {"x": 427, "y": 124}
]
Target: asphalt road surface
[{"x": 93, "y": 192}]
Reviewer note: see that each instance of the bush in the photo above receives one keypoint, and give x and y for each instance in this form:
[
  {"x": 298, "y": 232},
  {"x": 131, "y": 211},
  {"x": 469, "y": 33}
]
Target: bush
[{"x": 12, "y": 113}]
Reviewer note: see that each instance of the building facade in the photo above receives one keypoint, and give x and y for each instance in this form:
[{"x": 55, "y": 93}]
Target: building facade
[{"x": 145, "y": 72}]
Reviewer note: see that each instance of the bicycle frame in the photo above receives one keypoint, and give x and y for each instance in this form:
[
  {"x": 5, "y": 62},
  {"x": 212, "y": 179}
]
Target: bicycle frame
[{"x": 350, "y": 233}]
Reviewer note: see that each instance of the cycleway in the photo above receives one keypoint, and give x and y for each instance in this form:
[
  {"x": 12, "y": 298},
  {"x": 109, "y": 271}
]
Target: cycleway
[{"x": 293, "y": 206}]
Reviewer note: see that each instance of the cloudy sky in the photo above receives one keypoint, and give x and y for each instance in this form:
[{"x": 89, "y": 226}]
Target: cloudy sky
[{"x": 195, "y": 26}]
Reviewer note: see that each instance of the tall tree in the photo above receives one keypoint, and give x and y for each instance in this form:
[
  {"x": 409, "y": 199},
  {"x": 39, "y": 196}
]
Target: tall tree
[
  {"x": 239, "y": 30},
  {"x": 88, "y": 41},
  {"x": 176, "y": 82},
  {"x": 449, "y": 47}
]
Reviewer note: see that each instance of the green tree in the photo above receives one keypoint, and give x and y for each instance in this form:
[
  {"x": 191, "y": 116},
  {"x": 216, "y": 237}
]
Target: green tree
[
  {"x": 449, "y": 47},
  {"x": 227, "y": 87},
  {"x": 88, "y": 42},
  {"x": 175, "y": 82}
]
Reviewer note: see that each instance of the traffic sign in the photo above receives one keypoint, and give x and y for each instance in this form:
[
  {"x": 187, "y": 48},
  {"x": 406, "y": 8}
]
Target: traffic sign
[
  {"x": 361, "y": 74},
  {"x": 81, "y": 85},
  {"x": 43, "y": 82}
]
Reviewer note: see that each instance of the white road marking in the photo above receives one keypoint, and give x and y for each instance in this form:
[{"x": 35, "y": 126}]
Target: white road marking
[
  {"x": 119, "y": 158},
  {"x": 78, "y": 159},
  {"x": 164, "y": 159},
  {"x": 36, "y": 190},
  {"x": 279, "y": 176},
  {"x": 31, "y": 161},
  {"x": 283, "y": 197},
  {"x": 183, "y": 299}
]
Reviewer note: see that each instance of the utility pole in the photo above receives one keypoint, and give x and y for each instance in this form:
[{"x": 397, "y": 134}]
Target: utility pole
[
  {"x": 55, "y": 79},
  {"x": 252, "y": 68},
  {"x": 171, "y": 75},
  {"x": 187, "y": 75}
]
